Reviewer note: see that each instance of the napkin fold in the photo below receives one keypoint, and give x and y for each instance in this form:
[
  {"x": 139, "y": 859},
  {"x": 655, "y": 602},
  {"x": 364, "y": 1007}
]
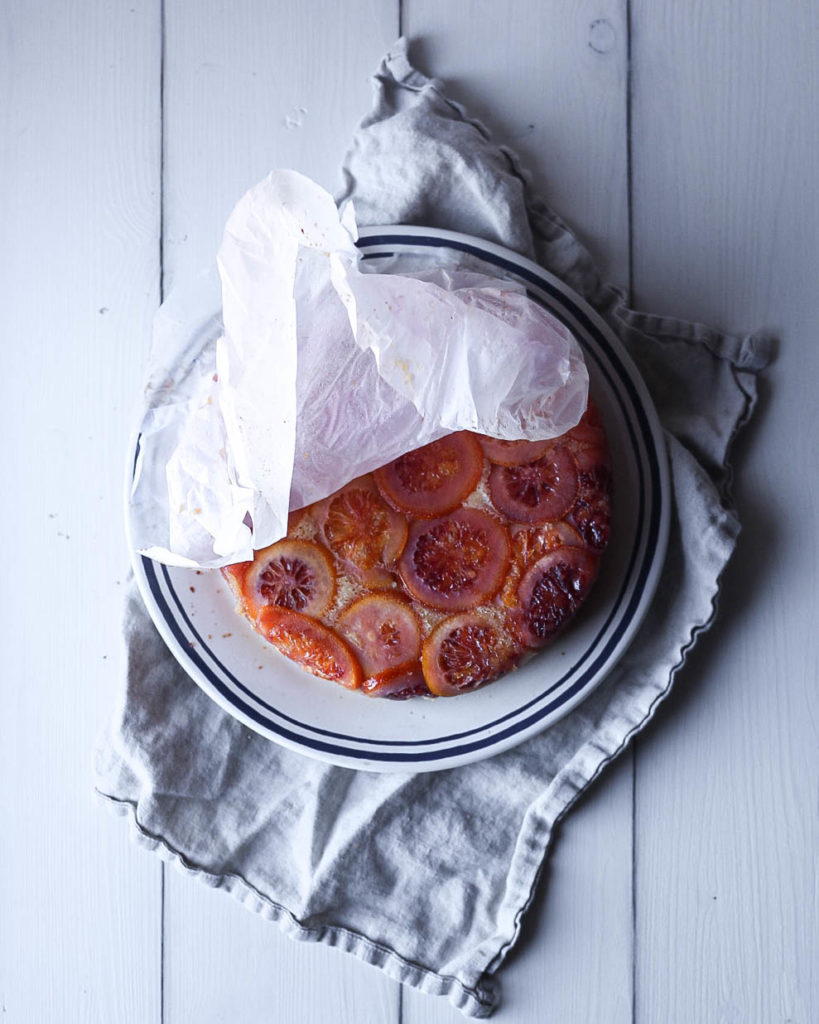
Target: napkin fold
[{"x": 428, "y": 876}]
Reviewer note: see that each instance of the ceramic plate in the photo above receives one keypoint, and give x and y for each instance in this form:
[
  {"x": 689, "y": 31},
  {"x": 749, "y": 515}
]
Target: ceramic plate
[{"x": 194, "y": 611}]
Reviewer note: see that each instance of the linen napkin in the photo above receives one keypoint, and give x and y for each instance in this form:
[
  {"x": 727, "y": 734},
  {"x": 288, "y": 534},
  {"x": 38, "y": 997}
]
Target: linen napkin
[{"x": 428, "y": 876}]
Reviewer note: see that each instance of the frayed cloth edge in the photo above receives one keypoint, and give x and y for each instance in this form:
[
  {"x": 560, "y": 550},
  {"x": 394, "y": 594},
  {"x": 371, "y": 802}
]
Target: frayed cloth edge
[{"x": 474, "y": 1002}]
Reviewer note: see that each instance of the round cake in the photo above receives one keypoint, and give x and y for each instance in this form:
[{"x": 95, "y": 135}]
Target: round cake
[{"x": 441, "y": 571}]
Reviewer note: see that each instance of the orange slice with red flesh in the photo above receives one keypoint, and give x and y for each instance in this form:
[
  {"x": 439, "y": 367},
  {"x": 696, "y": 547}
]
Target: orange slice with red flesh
[
  {"x": 311, "y": 644},
  {"x": 552, "y": 590},
  {"x": 359, "y": 527},
  {"x": 383, "y": 630},
  {"x": 435, "y": 479},
  {"x": 529, "y": 543},
  {"x": 294, "y": 574},
  {"x": 457, "y": 562},
  {"x": 591, "y": 512},
  {"x": 465, "y": 652},
  {"x": 536, "y": 492}
]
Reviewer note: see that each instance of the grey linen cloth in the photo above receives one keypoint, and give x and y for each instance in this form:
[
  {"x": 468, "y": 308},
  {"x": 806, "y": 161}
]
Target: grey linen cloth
[{"x": 427, "y": 876}]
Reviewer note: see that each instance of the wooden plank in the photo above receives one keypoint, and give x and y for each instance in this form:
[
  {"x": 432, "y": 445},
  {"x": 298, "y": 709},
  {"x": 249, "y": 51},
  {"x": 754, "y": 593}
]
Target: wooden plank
[
  {"x": 551, "y": 84},
  {"x": 574, "y": 962},
  {"x": 726, "y": 217},
  {"x": 224, "y": 963},
  {"x": 248, "y": 87},
  {"x": 79, "y": 204},
  {"x": 251, "y": 86}
]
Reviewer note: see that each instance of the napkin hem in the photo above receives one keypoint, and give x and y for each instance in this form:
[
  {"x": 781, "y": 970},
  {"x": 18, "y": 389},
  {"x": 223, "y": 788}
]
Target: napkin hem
[{"x": 472, "y": 1001}]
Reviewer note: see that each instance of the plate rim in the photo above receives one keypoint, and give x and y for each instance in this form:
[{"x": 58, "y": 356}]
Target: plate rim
[{"x": 493, "y": 742}]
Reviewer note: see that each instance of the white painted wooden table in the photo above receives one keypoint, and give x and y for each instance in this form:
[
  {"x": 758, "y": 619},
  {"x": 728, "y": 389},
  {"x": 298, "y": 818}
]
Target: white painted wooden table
[{"x": 681, "y": 140}]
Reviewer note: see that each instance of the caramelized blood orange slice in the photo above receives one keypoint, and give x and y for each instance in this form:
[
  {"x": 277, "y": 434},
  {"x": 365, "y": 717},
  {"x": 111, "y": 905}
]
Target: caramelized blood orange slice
[
  {"x": 314, "y": 646},
  {"x": 537, "y": 491},
  {"x": 464, "y": 652},
  {"x": 398, "y": 683},
  {"x": 457, "y": 562},
  {"x": 513, "y": 453},
  {"x": 552, "y": 590},
  {"x": 360, "y": 528},
  {"x": 435, "y": 479},
  {"x": 383, "y": 631},
  {"x": 295, "y": 574},
  {"x": 529, "y": 543},
  {"x": 591, "y": 514}
]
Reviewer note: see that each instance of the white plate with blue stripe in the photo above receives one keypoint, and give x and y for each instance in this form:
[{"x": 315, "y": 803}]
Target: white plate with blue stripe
[{"x": 194, "y": 611}]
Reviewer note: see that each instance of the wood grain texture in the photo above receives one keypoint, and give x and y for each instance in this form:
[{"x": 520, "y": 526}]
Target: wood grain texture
[
  {"x": 726, "y": 219},
  {"x": 226, "y": 964},
  {"x": 725, "y": 161},
  {"x": 79, "y": 204},
  {"x": 249, "y": 87},
  {"x": 551, "y": 83},
  {"x": 574, "y": 963}
]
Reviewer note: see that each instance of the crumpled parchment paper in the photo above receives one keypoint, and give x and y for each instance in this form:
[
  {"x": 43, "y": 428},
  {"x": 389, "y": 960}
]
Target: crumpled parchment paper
[{"x": 324, "y": 370}]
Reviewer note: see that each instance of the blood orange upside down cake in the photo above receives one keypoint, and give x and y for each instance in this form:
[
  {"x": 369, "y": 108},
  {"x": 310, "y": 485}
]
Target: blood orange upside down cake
[{"x": 440, "y": 571}]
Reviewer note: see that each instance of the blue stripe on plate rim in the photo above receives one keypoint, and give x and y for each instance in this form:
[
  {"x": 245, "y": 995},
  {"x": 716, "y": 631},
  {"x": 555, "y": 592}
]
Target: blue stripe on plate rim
[{"x": 638, "y": 582}]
